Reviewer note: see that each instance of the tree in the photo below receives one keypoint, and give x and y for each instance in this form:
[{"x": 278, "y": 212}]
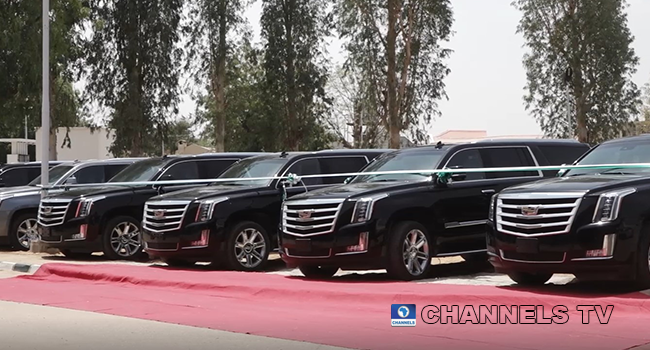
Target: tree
[
  {"x": 20, "y": 66},
  {"x": 643, "y": 125},
  {"x": 295, "y": 70},
  {"x": 396, "y": 46},
  {"x": 591, "y": 40},
  {"x": 211, "y": 23},
  {"x": 133, "y": 69}
]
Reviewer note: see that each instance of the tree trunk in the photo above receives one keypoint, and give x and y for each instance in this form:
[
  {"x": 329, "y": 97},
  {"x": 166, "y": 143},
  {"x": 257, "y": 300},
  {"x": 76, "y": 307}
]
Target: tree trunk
[
  {"x": 394, "y": 124},
  {"x": 293, "y": 127},
  {"x": 53, "y": 129},
  {"x": 219, "y": 82},
  {"x": 357, "y": 128}
]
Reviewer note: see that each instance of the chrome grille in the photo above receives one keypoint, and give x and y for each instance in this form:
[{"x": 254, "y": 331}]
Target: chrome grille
[
  {"x": 537, "y": 214},
  {"x": 52, "y": 211},
  {"x": 163, "y": 216},
  {"x": 313, "y": 217}
]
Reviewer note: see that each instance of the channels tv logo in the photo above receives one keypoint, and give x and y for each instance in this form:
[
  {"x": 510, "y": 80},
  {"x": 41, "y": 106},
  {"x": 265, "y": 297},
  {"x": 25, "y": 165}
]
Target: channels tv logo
[{"x": 402, "y": 315}]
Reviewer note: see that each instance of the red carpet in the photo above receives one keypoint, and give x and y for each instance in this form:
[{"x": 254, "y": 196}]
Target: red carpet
[{"x": 342, "y": 313}]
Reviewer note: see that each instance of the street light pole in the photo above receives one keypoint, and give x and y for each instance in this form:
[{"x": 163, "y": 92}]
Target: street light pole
[{"x": 45, "y": 102}]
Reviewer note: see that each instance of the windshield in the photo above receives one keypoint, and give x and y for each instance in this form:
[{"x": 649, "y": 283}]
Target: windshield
[
  {"x": 615, "y": 153},
  {"x": 252, "y": 167},
  {"x": 56, "y": 173},
  {"x": 143, "y": 170},
  {"x": 401, "y": 161}
]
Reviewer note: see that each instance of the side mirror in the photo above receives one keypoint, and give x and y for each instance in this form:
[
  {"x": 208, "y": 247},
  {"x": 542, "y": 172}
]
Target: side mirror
[
  {"x": 458, "y": 177},
  {"x": 347, "y": 181},
  {"x": 561, "y": 171},
  {"x": 71, "y": 180}
]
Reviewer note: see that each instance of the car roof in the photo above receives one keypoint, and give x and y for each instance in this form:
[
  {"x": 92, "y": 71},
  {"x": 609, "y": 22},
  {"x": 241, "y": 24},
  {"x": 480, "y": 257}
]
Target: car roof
[
  {"x": 637, "y": 138},
  {"x": 342, "y": 151}
]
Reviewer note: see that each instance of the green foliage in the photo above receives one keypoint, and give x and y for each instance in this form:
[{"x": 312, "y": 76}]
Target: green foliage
[
  {"x": 132, "y": 60},
  {"x": 400, "y": 65},
  {"x": 592, "y": 38},
  {"x": 21, "y": 62}
]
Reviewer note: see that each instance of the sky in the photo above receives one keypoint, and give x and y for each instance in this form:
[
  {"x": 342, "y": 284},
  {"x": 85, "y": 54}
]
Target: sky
[{"x": 487, "y": 79}]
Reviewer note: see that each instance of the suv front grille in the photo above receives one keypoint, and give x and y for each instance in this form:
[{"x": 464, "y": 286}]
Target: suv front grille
[
  {"x": 163, "y": 216},
  {"x": 537, "y": 214},
  {"x": 52, "y": 211},
  {"x": 306, "y": 218}
]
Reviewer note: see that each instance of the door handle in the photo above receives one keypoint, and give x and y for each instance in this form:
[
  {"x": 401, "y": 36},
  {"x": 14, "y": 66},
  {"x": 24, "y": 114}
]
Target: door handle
[{"x": 488, "y": 192}]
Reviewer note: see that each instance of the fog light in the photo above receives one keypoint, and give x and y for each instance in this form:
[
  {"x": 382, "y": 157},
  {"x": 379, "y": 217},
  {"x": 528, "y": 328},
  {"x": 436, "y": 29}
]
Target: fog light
[
  {"x": 203, "y": 241},
  {"x": 82, "y": 232},
  {"x": 606, "y": 251},
  {"x": 362, "y": 246}
]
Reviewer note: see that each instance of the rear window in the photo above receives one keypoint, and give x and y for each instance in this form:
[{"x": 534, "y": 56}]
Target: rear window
[{"x": 558, "y": 155}]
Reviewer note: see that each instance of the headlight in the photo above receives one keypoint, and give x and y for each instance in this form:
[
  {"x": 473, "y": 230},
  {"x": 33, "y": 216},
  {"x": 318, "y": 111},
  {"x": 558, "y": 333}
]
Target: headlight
[
  {"x": 85, "y": 205},
  {"x": 363, "y": 208},
  {"x": 206, "y": 209},
  {"x": 609, "y": 204},
  {"x": 493, "y": 202}
]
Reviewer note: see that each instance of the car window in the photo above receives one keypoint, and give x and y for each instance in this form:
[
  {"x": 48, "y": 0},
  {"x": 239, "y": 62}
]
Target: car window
[
  {"x": 212, "y": 168},
  {"x": 33, "y": 173},
  {"x": 340, "y": 165},
  {"x": 14, "y": 177},
  {"x": 113, "y": 169},
  {"x": 468, "y": 159},
  {"x": 307, "y": 166},
  {"x": 184, "y": 170},
  {"x": 558, "y": 155},
  {"x": 505, "y": 157},
  {"x": 90, "y": 175}
]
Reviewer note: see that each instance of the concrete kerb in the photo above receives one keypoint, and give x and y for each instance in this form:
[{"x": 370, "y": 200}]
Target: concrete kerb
[{"x": 18, "y": 267}]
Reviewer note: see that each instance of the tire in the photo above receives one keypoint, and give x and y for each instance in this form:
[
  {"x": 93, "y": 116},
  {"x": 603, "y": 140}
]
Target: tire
[
  {"x": 75, "y": 255},
  {"x": 318, "y": 272},
  {"x": 643, "y": 261},
  {"x": 247, "y": 247},
  {"x": 417, "y": 263},
  {"x": 178, "y": 263},
  {"x": 530, "y": 279},
  {"x": 117, "y": 248},
  {"x": 475, "y": 258},
  {"x": 21, "y": 227}
]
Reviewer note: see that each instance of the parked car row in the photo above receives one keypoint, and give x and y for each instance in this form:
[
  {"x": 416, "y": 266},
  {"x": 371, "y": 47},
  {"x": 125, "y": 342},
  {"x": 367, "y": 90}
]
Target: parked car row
[{"x": 529, "y": 223}]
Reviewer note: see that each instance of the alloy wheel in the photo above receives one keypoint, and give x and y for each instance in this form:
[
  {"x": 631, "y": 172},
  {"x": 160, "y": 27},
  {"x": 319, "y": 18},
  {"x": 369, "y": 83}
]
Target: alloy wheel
[
  {"x": 27, "y": 230},
  {"x": 250, "y": 248},
  {"x": 415, "y": 252},
  {"x": 125, "y": 239}
]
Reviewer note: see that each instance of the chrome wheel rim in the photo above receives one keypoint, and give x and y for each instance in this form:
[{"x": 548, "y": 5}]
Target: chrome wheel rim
[
  {"x": 125, "y": 239},
  {"x": 250, "y": 248},
  {"x": 26, "y": 231},
  {"x": 415, "y": 251}
]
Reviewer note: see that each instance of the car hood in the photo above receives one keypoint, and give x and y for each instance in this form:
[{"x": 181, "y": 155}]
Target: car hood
[
  {"x": 203, "y": 192},
  {"x": 21, "y": 190},
  {"x": 357, "y": 189},
  {"x": 588, "y": 184}
]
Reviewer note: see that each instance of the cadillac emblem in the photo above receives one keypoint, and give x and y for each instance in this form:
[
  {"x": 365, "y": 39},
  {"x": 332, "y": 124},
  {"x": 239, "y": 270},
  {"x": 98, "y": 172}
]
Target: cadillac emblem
[
  {"x": 159, "y": 214},
  {"x": 305, "y": 214},
  {"x": 529, "y": 211}
]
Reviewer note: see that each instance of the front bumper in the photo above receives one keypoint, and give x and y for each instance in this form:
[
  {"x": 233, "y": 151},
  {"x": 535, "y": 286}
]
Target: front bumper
[
  {"x": 565, "y": 253},
  {"x": 66, "y": 236},
  {"x": 178, "y": 244},
  {"x": 331, "y": 249}
]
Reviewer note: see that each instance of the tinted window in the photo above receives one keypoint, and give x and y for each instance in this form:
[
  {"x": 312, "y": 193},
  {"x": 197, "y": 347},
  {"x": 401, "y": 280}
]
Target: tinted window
[
  {"x": 508, "y": 157},
  {"x": 144, "y": 170},
  {"x": 468, "y": 159},
  {"x": 340, "y": 165},
  {"x": 112, "y": 170},
  {"x": 34, "y": 173},
  {"x": 558, "y": 155},
  {"x": 615, "y": 153},
  {"x": 210, "y": 169},
  {"x": 55, "y": 174},
  {"x": 307, "y": 166},
  {"x": 184, "y": 170},
  {"x": 15, "y": 177},
  {"x": 90, "y": 175},
  {"x": 396, "y": 161}
]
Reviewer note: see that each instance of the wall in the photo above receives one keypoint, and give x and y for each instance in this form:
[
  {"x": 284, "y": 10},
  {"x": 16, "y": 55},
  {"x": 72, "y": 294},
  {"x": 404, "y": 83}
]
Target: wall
[{"x": 84, "y": 144}]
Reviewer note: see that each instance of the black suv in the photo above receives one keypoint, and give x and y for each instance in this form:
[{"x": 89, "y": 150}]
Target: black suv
[
  {"x": 400, "y": 221},
  {"x": 190, "y": 226},
  {"x": 106, "y": 219},
  {"x": 20, "y": 174},
  {"x": 593, "y": 223},
  {"x": 19, "y": 205}
]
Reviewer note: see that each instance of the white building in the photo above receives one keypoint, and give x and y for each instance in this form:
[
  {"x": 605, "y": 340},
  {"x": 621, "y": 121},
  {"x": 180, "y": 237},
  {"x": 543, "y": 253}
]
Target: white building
[{"x": 84, "y": 144}]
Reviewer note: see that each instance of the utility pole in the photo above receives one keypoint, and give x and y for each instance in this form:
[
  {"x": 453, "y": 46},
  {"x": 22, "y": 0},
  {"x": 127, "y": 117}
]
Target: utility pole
[
  {"x": 45, "y": 102},
  {"x": 26, "y": 127}
]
